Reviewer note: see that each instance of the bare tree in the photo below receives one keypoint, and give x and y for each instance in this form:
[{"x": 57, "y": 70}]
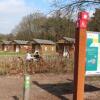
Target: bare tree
[
  {"x": 71, "y": 7},
  {"x": 29, "y": 27}
]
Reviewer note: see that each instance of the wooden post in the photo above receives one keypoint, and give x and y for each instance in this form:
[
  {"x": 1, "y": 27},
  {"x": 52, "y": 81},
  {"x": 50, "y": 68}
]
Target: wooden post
[
  {"x": 26, "y": 91},
  {"x": 79, "y": 63}
]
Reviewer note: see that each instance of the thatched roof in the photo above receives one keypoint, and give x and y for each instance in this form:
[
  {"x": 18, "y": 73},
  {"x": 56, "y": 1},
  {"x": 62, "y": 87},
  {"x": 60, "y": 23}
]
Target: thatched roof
[
  {"x": 5, "y": 42},
  {"x": 23, "y": 42},
  {"x": 41, "y": 41},
  {"x": 66, "y": 40},
  {"x": 69, "y": 39}
]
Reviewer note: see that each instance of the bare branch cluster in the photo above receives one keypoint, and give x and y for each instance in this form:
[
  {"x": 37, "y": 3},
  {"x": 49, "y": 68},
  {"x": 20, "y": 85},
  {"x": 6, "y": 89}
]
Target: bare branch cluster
[{"x": 66, "y": 7}]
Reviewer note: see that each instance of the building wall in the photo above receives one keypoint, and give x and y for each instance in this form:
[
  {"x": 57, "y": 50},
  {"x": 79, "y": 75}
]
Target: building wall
[
  {"x": 61, "y": 41},
  {"x": 7, "y": 47},
  {"x": 36, "y": 47},
  {"x": 44, "y": 49},
  {"x": 16, "y": 48},
  {"x": 23, "y": 48},
  {"x": 67, "y": 46},
  {"x": 48, "y": 49},
  {"x": 1, "y": 47}
]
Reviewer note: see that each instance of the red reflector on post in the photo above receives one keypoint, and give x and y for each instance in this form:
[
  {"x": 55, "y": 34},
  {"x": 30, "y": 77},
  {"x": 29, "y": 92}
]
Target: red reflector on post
[{"x": 82, "y": 21}]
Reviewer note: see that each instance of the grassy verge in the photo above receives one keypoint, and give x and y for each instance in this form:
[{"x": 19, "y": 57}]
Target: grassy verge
[{"x": 11, "y": 53}]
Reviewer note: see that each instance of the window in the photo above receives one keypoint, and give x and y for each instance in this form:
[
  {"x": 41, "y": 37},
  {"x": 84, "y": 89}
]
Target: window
[
  {"x": 52, "y": 48},
  {"x": 46, "y": 48}
]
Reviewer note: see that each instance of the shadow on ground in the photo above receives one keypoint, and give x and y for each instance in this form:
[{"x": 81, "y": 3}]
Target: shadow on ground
[
  {"x": 61, "y": 89},
  {"x": 15, "y": 98}
]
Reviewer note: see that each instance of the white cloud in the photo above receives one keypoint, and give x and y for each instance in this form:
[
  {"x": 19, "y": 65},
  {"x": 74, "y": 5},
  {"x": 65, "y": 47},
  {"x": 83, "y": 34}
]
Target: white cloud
[
  {"x": 13, "y": 6},
  {"x": 11, "y": 12}
]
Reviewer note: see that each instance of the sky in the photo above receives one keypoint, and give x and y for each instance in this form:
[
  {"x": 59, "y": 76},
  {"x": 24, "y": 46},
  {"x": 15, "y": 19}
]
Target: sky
[{"x": 12, "y": 11}]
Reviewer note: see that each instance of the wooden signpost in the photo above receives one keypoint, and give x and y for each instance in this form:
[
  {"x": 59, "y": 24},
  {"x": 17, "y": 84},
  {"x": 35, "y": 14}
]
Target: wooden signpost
[{"x": 80, "y": 56}]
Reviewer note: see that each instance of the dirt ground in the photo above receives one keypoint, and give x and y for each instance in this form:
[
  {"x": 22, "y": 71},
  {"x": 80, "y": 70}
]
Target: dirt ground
[{"x": 46, "y": 87}]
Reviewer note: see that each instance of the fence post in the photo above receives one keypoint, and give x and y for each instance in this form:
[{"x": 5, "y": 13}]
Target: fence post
[{"x": 26, "y": 90}]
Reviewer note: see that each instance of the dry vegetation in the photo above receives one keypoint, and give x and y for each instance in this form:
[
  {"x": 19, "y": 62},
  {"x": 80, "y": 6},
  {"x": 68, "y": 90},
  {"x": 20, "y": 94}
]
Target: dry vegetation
[{"x": 18, "y": 65}]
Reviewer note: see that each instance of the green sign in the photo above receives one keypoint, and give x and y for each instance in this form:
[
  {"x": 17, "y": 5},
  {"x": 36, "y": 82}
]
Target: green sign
[{"x": 93, "y": 53}]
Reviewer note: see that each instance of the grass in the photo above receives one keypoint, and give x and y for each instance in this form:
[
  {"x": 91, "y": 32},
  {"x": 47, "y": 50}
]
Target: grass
[{"x": 11, "y": 53}]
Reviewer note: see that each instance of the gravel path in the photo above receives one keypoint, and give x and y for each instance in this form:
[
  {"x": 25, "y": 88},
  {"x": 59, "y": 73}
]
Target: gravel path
[{"x": 46, "y": 87}]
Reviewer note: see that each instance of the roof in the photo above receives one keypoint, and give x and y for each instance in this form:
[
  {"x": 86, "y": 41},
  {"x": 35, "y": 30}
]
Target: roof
[
  {"x": 41, "y": 41},
  {"x": 69, "y": 39},
  {"x": 20, "y": 41},
  {"x": 5, "y": 42}
]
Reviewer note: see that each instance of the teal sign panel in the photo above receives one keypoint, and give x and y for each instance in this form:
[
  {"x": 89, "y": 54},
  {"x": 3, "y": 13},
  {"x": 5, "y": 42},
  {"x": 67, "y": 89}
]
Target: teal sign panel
[
  {"x": 91, "y": 58},
  {"x": 93, "y": 53}
]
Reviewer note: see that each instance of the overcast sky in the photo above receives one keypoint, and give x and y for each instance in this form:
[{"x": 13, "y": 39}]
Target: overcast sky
[{"x": 12, "y": 11}]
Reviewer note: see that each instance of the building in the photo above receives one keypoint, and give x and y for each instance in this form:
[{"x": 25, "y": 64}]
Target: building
[
  {"x": 65, "y": 44},
  {"x": 15, "y": 46},
  {"x": 45, "y": 47},
  {"x": 5, "y": 45},
  {"x": 21, "y": 45}
]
